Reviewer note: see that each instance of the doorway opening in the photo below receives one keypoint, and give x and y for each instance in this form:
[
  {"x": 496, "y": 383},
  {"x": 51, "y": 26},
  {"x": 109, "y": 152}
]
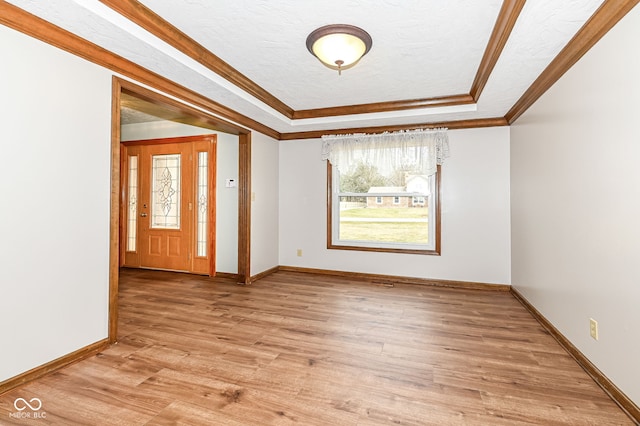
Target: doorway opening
[{"x": 127, "y": 97}]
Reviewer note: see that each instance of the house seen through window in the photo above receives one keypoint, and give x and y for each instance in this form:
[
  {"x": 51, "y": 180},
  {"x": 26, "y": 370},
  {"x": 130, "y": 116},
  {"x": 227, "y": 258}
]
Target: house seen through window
[{"x": 383, "y": 198}]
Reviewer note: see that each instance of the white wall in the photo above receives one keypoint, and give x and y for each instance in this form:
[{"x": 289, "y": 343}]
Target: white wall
[
  {"x": 264, "y": 207},
  {"x": 475, "y": 213},
  {"x": 226, "y": 168},
  {"x": 575, "y": 161},
  {"x": 227, "y": 204},
  {"x": 55, "y": 126}
]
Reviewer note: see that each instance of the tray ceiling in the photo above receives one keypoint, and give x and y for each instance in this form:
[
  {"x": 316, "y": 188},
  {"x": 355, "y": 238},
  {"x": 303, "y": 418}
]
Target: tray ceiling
[{"x": 253, "y": 58}]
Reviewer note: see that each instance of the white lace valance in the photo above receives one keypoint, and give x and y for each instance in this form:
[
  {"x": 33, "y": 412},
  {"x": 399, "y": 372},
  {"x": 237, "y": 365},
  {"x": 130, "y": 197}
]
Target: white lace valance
[{"x": 419, "y": 150}]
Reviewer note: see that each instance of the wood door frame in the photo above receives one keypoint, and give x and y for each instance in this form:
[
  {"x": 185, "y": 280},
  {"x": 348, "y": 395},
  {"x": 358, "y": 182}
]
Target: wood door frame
[{"x": 196, "y": 117}]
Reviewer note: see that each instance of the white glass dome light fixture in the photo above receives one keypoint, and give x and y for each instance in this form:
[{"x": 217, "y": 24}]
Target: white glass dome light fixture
[{"x": 339, "y": 46}]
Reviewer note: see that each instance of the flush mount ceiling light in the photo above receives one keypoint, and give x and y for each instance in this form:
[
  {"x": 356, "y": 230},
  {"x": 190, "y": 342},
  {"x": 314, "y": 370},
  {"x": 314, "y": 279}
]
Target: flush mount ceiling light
[{"x": 339, "y": 46}]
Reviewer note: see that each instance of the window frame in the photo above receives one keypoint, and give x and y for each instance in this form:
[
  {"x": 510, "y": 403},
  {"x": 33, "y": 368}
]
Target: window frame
[{"x": 436, "y": 196}]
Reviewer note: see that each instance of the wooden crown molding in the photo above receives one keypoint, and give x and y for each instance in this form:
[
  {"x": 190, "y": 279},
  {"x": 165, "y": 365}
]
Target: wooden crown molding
[
  {"x": 599, "y": 24},
  {"x": 384, "y": 106},
  {"x": 610, "y": 12},
  {"x": 149, "y": 20},
  {"x": 451, "y": 125},
  {"x": 505, "y": 22},
  {"x": 608, "y": 15},
  {"x": 22, "y": 21},
  {"x": 507, "y": 17},
  {"x": 33, "y": 26}
]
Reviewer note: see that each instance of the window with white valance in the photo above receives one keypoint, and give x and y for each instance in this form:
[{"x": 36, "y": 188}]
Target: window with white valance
[{"x": 384, "y": 190}]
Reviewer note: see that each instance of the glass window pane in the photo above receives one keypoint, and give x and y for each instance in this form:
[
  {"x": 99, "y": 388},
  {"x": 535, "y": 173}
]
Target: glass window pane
[
  {"x": 203, "y": 191},
  {"x": 396, "y": 219},
  {"x": 383, "y": 210},
  {"x": 132, "y": 215},
  {"x": 165, "y": 192}
]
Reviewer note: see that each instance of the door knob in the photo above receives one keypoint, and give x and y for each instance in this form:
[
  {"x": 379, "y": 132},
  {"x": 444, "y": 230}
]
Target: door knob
[{"x": 143, "y": 215}]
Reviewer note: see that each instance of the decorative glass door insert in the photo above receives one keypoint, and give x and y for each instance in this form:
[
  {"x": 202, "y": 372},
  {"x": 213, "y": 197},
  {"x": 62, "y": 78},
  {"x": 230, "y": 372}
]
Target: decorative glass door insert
[{"x": 165, "y": 203}]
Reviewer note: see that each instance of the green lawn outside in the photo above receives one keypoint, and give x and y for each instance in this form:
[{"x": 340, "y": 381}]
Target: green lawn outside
[
  {"x": 395, "y": 232},
  {"x": 408, "y": 213},
  {"x": 390, "y": 232}
]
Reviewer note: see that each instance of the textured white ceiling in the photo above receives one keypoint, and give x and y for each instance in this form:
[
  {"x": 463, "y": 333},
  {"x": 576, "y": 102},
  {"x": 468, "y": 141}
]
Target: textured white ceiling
[
  {"x": 421, "y": 49},
  {"x": 265, "y": 40}
]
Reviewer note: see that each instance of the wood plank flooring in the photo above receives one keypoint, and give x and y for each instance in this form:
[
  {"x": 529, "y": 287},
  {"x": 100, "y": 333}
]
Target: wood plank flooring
[{"x": 306, "y": 349}]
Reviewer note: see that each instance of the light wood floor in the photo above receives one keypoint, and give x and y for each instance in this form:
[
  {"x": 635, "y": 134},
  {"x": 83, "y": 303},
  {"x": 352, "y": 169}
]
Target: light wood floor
[{"x": 318, "y": 350}]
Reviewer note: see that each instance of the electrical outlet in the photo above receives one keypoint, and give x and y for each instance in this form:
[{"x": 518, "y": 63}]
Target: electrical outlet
[
  {"x": 299, "y": 252},
  {"x": 593, "y": 328}
]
